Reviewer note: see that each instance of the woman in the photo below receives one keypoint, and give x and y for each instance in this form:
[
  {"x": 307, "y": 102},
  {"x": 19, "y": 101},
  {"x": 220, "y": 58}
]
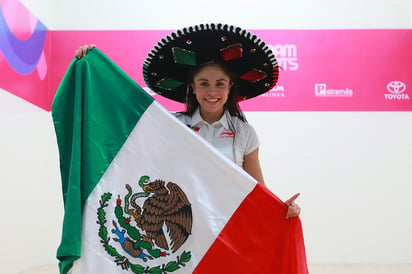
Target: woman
[
  {"x": 211, "y": 68},
  {"x": 212, "y": 106}
]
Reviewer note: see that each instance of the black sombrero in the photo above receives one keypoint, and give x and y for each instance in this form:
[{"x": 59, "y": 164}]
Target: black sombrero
[{"x": 167, "y": 66}]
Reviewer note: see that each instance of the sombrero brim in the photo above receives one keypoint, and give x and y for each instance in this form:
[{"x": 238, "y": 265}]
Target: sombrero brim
[{"x": 167, "y": 66}]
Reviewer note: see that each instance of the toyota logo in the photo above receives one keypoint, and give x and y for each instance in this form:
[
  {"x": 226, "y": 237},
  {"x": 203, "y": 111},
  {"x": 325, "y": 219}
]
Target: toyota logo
[{"x": 396, "y": 87}]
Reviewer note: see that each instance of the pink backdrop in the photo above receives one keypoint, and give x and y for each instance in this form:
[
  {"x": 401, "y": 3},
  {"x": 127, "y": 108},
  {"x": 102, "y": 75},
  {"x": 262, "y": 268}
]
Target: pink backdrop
[{"x": 322, "y": 70}]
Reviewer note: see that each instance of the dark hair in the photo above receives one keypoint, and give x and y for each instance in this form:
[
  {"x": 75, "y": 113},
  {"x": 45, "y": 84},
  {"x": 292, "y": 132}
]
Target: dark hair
[{"x": 231, "y": 104}]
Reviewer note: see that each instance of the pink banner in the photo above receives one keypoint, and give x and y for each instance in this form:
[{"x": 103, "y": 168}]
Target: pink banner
[
  {"x": 322, "y": 70},
  {"x": 355, "y": 70}
]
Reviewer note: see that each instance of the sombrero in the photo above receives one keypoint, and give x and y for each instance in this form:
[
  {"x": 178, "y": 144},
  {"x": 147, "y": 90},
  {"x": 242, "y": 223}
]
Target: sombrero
[{"x": 167, "y": 66}]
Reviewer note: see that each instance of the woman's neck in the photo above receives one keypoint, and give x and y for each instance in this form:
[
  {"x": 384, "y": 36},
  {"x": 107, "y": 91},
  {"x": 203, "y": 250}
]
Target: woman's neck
[{"x": 211, "y": 117}]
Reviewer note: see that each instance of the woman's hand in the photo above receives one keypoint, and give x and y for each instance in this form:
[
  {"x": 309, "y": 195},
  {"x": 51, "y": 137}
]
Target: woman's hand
[
  {"x": 293, "y": 208},
  {"x": 82, "y": 51}
]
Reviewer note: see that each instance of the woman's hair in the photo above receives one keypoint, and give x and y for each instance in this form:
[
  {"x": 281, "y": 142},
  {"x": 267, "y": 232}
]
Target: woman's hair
[{"x": 231, "y": 104}]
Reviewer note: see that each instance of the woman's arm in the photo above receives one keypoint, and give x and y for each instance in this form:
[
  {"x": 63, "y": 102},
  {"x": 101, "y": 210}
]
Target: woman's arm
[{"x": 251, "y": 165}]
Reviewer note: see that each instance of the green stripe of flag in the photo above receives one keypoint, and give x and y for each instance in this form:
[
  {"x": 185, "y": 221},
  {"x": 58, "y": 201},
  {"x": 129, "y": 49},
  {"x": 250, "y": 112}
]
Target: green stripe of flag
[{"x": 94, "y": 110}]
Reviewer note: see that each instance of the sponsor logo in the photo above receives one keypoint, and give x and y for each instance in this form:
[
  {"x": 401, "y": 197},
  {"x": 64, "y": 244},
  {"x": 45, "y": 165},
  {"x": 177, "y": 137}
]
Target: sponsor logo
[
  {"x": 286, "y": 55},
  {"x": 397, "y": 91},
  {"x": 277, "y": 91},
  {"x": 226, "y": 134},
  {"x": 321, "y": 90}
]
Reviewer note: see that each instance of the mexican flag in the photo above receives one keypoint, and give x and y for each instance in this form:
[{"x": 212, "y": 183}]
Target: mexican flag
[{"x": 143, "y": 194}]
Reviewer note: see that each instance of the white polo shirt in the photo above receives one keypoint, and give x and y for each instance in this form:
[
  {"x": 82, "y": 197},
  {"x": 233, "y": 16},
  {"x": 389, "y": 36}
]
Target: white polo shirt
[{"x": 220, "y": 136}]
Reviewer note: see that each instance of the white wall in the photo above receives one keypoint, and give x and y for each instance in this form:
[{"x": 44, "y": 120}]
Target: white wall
[
  {"x": 267, "y": 14},
  {"x": 352, "y": 168},
  {"x": 31, "y": 206}
]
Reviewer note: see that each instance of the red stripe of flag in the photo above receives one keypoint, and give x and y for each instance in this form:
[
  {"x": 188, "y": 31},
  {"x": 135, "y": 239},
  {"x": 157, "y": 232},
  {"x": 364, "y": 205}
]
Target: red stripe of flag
[{"x": 258, "y": 239}]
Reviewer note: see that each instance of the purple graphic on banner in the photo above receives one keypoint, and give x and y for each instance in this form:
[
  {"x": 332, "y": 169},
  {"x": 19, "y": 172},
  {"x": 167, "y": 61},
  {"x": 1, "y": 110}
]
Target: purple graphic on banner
[{"x": 22, "y": 55}]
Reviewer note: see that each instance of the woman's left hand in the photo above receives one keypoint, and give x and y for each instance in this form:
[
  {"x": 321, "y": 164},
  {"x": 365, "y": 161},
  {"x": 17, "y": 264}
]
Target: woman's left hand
[{"x": 293, "y": 208}]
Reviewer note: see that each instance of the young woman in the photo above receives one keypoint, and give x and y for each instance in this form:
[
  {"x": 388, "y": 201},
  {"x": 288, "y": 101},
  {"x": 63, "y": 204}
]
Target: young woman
[
  {"x": 211, "y": 68},
  {"x": 212, "y": 110}
]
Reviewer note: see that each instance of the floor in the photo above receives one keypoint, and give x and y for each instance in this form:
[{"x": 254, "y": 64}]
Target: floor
[
  {"x": 313, "y": 269},
  {"x": 360, "y": 269}
]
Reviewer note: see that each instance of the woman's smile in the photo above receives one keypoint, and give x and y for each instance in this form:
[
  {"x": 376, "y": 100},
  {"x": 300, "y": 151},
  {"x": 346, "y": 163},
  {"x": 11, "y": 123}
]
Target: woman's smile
[{"x": 212, "y": 100}]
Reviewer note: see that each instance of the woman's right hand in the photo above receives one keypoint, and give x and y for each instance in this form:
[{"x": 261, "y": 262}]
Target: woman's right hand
[
  {"x": 82, "y": 51},
  {"x": 293, "y": 208}
]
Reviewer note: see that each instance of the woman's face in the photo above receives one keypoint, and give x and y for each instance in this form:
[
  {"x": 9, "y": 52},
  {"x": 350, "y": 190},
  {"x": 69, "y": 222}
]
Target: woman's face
[{"x": 211, "y": 86}]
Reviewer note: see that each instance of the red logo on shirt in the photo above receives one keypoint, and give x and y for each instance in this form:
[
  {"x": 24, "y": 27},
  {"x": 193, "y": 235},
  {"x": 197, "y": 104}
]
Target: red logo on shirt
[
  {"x": 196, "y": 129},
  {"x": 226, "y": 134}
]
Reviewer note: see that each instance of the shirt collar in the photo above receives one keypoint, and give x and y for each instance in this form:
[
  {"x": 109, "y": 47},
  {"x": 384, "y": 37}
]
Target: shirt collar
[{"x": 196, "y": 118}]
